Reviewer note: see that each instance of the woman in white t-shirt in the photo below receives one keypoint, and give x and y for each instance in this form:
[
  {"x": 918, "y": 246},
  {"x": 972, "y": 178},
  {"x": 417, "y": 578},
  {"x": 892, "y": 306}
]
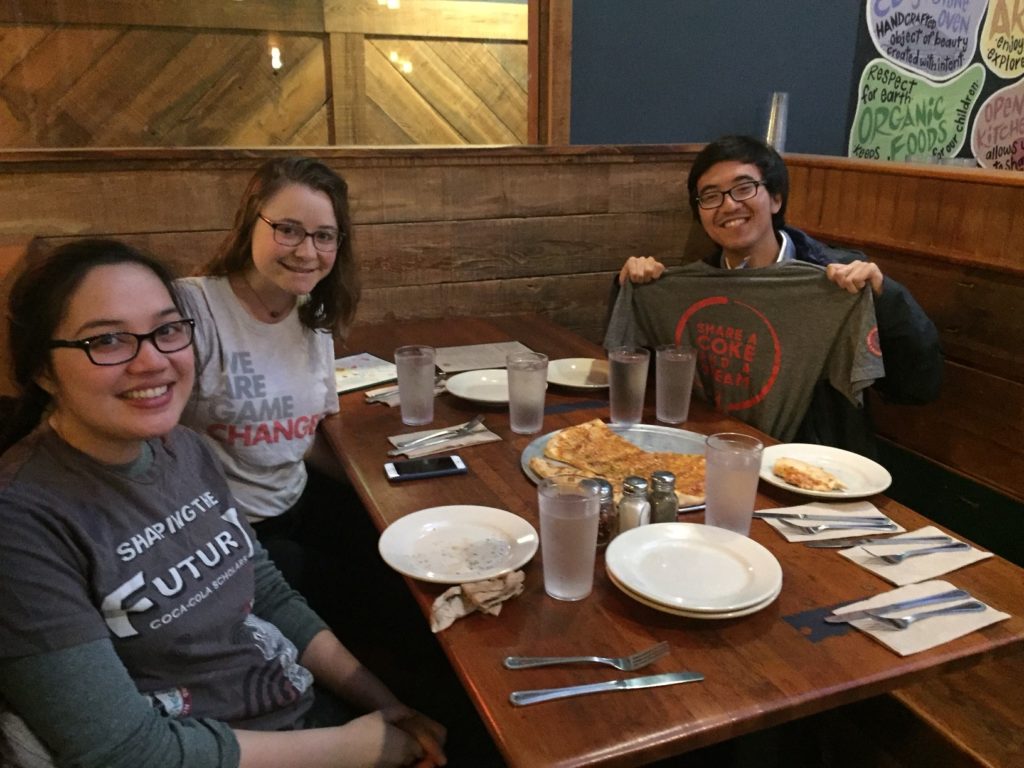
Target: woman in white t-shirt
[{"x": 266, "y": 309}]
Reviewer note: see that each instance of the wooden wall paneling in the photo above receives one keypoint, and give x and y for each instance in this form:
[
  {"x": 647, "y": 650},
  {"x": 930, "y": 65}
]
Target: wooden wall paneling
[
  {"x": 282, "y": 15},
  {"x": 33, "y": 85},
  {"x": 284, "y": 103},
  {"x": 347, "y": 83},
  {"x": 976, "y": 427},
  {"x": 514, "y": 59},
  {"x": 976, "y": 311},
  {"x": 428, "y": 18},
  {"x": 393, "y": 94},
  {"x": 575, "y": 301},
  {"x": 111, "y": 202},
  {"x": 492, "y": 249},
  {"x": 494, "y": 86},
  {"x": 433, "y": 80},
  {"x": 550, "y": 61}
]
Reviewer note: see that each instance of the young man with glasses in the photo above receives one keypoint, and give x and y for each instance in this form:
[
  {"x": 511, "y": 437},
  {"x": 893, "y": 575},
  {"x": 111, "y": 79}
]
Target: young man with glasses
[{"x": 738, "y": 188}]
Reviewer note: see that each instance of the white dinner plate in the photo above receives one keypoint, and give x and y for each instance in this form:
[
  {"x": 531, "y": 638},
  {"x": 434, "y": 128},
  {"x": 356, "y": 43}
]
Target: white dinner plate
[
  {"x": 579, "y": 372},
  {"x": 692, "y": 567},
  {"x": 650, "y": 437},
  {"x": 861, "y": 476},
  {"x": 487, "y": 386},
  {"x": 458, "y": 543},
  {"x": 707, "y": 615}
]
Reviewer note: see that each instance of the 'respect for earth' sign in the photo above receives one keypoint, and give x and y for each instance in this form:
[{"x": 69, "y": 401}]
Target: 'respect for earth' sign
[
  {"x": 934, "y": 38},
  {"x": 997, "y": 139},
  {"x": 900, "y": 114}
]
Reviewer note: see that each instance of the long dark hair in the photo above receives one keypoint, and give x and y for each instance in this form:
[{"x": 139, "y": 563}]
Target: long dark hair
[
  {"x": 333, "y": 301},
  {"x": 37, "y": 303},
  {"x": 743, "y": 149}
]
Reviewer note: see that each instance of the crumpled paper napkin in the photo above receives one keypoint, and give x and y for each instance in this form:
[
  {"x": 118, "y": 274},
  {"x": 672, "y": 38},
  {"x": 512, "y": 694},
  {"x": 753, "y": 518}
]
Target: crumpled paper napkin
[
  {"x": 925, "y": 634},
  {"x": 389, "y": 395},
  {"x": 855, "y": 508},
  {"x": 479, "y": 434},
  {"x": 485, "y": 596},
  {"x": 913, "y": 569}
]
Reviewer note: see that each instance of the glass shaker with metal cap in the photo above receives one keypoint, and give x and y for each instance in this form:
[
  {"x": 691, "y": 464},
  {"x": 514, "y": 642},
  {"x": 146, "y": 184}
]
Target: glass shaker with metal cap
[
  {"x": 634, "y": 508},
  {"x": 608, "y": 515},
  {"x": 664, "y": 502}
]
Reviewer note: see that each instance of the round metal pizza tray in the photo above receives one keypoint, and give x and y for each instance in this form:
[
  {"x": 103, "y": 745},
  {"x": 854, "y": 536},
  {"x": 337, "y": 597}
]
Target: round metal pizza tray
[{"x": 650, "y": 437}]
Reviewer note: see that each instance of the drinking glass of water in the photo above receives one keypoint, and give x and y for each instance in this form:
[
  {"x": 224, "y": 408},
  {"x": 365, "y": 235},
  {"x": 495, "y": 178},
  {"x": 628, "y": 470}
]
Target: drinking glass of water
[
  {"x": 733, "y": 467},
  {"x": 527, "y": 382},
  {"x": 568, "y": 535},
  {"x": 673, "y": 381},
  {"x": 415, "y": 363},
  {"x": 627, "y": 383}
]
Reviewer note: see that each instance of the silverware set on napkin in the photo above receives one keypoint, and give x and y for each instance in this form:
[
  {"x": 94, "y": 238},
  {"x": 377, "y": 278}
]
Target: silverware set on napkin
[
  {"x": 441, "y": 436},
  {"x": 629, "y": 663},
  {"x": 894, "y": 616}
]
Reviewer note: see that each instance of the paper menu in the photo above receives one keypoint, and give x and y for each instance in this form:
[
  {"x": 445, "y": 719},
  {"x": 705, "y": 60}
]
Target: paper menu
[
  {"x": 362, "y": 370},
  {"x": 475, "y": 357}
]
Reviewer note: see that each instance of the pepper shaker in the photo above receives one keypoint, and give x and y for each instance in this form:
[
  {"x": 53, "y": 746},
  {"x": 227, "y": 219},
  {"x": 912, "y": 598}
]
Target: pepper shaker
[{"x": 664, "y": 502}]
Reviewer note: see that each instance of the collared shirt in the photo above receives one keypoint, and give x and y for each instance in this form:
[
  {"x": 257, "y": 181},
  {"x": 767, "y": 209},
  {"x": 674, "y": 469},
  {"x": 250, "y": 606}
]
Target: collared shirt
[{"x": 787, "y": 252}]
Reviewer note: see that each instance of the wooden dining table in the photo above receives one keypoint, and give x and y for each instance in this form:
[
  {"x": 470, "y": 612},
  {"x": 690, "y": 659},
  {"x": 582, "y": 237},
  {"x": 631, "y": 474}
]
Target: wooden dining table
[{"x": 760, "y": 670}]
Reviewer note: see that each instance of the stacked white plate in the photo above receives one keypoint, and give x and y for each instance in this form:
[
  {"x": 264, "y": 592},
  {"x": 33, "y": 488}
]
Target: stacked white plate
[{"x": 696, "y": 571}]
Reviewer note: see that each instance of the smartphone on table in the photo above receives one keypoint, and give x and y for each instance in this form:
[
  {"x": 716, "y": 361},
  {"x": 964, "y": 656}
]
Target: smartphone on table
[{"x": 428, "y": 466}]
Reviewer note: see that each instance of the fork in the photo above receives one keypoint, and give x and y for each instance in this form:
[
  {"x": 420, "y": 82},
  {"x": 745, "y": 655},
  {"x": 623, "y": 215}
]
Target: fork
[
  {"x": 625, "y": 663},
  {"x": 902, "y": 622},
  {"x": 880, "y": 526},
  {"x": 899, "y": 557},
  {"x": 441, "y": 436}
]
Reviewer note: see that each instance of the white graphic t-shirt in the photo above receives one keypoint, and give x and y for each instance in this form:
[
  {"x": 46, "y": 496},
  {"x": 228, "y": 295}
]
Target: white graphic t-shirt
[{"x": 261, "y": 390}]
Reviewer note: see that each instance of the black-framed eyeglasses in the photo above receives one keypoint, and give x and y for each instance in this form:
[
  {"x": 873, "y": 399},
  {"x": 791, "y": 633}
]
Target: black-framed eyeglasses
[
  {"x": 122, "y": 347},
  {"x": 738, "y": 192},
  {"x": 286, "y": 233}
]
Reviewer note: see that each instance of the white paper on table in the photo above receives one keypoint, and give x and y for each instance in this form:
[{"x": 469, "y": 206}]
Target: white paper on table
[
  {"x": 474, "y": 357},
  {"x": 849, "y": 508},
  {"x": 362, "y": 370},
  {"x": 915, "y": 569},
  {"x": 925, "y": 634}
]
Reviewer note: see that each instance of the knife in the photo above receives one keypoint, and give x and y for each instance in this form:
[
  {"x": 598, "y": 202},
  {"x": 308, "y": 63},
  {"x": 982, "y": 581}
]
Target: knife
[
  {"x": 522, "y": 698},
  {"x": 874, "y": 519},
  {"x": 858, "y": 540},
  {"x": 945, "y": 597}
]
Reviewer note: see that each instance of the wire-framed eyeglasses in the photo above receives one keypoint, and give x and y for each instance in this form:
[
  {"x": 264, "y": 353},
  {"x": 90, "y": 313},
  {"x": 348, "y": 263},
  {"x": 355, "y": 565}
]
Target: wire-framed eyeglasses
[
  {"x": 738, "y": 192},
  {"x": 123, "y": 346},
  {"x": 287, "y": 233}
]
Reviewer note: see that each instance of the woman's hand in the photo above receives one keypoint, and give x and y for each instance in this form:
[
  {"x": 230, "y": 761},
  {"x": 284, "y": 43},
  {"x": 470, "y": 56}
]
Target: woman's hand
[
  {"x": 854, "y": 276},
  {"x": 429, "y": 734},
  {"x": 640, "y": 269}
]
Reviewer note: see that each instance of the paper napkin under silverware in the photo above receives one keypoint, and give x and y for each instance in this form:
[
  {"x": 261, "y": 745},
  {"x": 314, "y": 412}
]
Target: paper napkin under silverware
[
  {"x": 913, "y": 569},
  {"x": 838, "y": 509},
  {"x": 485, "y": 596},
  {"x": 480, "y": 434},
  {"x": 389, "y": 395},
  {"x": 924, "y": 634}
]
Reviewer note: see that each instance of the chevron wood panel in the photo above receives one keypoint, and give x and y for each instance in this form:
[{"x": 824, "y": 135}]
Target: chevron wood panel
[
  {"x": 109, "y": 86},
  {"x": 457, "y": 92}
]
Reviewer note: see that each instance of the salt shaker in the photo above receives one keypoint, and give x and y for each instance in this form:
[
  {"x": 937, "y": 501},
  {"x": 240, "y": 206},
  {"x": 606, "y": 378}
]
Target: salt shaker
[
  {"x": 664, "y": 502},
  {"x": 634, "y": 508},
  {"x": 608, "y": 518}
]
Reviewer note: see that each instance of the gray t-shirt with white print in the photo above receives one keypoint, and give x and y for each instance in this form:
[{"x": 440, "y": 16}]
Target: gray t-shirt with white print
[{"x": 764, "y": 337}]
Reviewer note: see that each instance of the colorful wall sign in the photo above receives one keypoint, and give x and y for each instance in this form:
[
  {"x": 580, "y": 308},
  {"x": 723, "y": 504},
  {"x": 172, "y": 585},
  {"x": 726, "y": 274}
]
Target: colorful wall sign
[
  {"x": 901, "y": 115},
  {"x": 935, "y": 38},
  {"x": 1002, "y": 38},
  {"x": 997, "y": 139}
]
